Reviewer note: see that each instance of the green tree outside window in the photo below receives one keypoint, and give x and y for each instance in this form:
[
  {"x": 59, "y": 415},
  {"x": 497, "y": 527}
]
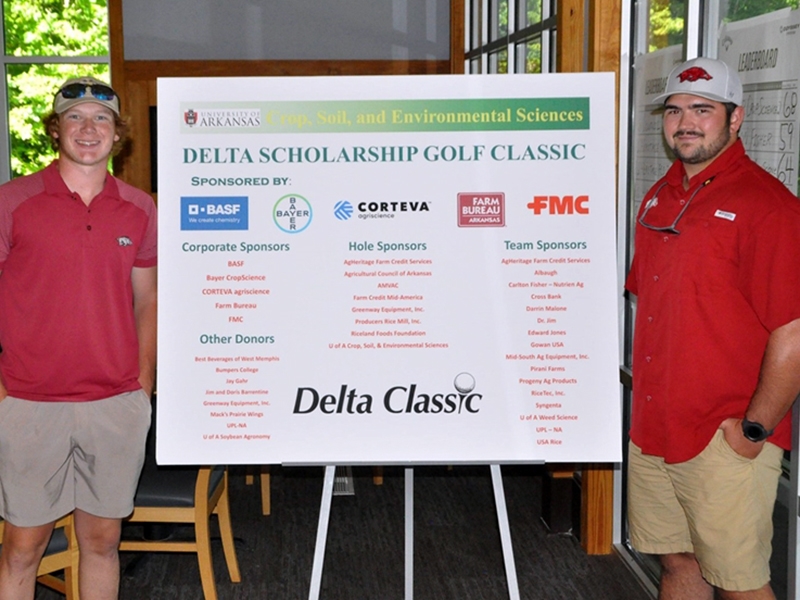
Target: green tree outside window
[{"x": 40, "y": 29}]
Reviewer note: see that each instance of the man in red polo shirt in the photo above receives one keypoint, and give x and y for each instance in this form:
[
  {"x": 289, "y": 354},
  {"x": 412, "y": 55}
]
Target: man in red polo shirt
[
  {"x": 78, "y": 333},
  {"x": 716, "y": 359}
]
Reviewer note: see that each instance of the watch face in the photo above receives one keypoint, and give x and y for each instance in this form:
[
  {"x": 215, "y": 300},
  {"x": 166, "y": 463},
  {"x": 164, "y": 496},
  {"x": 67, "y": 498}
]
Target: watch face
[{"x": 755, "y": 432}]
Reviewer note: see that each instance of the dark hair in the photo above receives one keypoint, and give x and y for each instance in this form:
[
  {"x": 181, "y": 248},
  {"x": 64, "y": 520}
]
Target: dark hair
[
  {"x": 121, "y": 129},
  {"x": 729, "y": 108}
]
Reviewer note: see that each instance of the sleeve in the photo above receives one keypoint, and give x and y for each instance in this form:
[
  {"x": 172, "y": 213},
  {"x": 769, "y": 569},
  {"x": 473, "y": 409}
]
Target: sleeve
[
  {"x": 770, "y": 266},
  {"x": 6, "y": 226},
  {"x": 147, "y": 255}
]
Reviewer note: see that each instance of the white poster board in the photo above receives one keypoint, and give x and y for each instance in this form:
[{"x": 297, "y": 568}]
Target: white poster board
[{"x": 415, "y": 269}]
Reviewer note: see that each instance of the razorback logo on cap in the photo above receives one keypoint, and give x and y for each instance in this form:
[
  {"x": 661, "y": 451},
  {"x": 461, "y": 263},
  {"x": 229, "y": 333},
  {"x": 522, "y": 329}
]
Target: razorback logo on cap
[{"x": 693, "y": 74}]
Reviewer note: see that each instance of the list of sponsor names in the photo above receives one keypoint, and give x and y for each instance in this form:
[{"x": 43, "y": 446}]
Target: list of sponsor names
[
  {"x": 386, "y": 302},
  {"x": 239, "y": 355},
  {"x": 544, "y": 289}
]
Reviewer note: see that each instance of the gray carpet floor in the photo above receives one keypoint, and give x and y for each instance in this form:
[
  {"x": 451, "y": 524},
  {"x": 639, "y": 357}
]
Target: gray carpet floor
[{"x": 458, "y": 554}]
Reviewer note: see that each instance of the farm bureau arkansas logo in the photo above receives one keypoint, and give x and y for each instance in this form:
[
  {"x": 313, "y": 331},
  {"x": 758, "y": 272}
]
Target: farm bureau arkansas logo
[
  {"x": 694, "y": 74},
  {"x": 397, "y": 400},
  {"x": 482, "y": 210}
]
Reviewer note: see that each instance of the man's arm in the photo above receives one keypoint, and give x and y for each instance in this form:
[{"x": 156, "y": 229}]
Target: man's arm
[
  {"x": 3, "y": 390},
  {"x": 145, "y": 302},
  {"x": 778, "y": 386}
]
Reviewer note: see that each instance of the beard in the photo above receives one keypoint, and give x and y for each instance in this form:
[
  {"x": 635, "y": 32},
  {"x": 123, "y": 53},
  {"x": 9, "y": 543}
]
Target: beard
[{"x": 703, "y": 152}]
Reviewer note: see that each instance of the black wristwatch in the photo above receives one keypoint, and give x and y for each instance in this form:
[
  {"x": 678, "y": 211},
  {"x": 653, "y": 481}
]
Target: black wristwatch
[{"x": 755, "y": 432}]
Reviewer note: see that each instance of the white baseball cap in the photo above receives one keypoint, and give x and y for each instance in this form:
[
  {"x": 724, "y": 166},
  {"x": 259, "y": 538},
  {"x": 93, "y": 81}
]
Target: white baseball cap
[
  {"x": 85, "y": 89},
  {"x": 704, "y": 77}
]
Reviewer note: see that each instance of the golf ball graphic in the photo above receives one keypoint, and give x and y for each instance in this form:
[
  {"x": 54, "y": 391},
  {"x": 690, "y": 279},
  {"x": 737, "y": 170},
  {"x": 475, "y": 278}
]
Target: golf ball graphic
[{"x": 464, "y": 383}]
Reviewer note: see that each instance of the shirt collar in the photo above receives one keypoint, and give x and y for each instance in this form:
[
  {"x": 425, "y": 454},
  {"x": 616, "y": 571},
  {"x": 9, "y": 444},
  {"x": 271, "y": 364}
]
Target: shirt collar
[
  {"x": 54, "y": 184},
  {"x": 676, "y": 173}
]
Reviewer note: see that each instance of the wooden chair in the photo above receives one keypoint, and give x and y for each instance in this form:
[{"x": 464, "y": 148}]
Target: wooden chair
[
  {"x": 264, "y": 481},
  {"x": 186, "y": 495},
  {"x": 61, "y": 555}
]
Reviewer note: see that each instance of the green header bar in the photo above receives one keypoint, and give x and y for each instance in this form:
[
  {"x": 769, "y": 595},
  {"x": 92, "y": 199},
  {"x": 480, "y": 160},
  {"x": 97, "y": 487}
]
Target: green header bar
[{"x": 358, "y": 116}]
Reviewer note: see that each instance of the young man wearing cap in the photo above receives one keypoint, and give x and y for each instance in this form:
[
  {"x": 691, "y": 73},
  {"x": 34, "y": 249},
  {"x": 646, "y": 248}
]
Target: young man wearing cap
[
  {"x": 716, "y": 359},
  {"x": 77, "y": 330}
]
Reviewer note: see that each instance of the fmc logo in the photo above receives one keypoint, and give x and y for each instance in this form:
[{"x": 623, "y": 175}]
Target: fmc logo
[{"x": 560, "y": 205}]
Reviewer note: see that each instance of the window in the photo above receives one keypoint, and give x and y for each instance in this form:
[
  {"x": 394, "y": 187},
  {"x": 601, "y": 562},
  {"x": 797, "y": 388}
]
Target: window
[
  {"x": 510, "y": 36},
  {"x": 666, "y": 23},
  {"x": 44, "y": 43}
]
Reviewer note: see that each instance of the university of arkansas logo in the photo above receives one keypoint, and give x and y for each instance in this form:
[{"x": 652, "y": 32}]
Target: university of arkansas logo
[
  {"x": 190, "y": 117},
  {"x": 694, "y": 74}
]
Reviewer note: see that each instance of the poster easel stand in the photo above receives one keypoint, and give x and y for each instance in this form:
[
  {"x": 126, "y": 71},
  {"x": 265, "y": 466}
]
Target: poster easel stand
[{"x": 324, "y": 519}]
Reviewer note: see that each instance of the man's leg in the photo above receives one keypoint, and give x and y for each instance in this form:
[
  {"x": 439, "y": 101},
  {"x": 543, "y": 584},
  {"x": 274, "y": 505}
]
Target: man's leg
[
  {"x": 98, "y": 540},
  {"x": 764, "y": 593},
  {"x": 730, "y": 501},
  {"x": 23, "y": 548},
  {"x": 681, "y": 579}
]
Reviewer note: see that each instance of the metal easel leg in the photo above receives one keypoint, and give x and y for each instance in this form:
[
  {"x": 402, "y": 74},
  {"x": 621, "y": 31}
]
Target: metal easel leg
[
  {"x": 409, "y": 480},
  {"x": 322, "y": 532},
  {"x": 505, "y": 533}
]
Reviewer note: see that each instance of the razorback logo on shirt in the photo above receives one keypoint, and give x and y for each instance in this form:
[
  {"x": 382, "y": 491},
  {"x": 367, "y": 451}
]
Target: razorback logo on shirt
[{"x": 124, "y": 241}]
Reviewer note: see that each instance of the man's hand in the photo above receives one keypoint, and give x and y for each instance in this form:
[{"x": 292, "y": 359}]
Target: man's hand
[
  {"x": 147, "y": 384},
  {"x": 145, "y": 302},
  {"x": 732, "y": 429}
]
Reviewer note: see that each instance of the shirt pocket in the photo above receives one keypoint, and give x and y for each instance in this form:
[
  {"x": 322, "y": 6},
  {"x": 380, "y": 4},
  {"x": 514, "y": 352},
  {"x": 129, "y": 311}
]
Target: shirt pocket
[{"x": 708, "y": 255}]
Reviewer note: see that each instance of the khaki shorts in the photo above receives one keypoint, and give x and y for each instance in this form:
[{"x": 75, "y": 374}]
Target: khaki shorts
[
  {"x": 717, "y": 505},
  {"x": 58, "y": 456}
]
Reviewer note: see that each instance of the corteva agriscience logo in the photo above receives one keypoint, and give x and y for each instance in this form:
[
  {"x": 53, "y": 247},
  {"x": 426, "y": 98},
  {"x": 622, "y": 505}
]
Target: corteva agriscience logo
[
  {"x": 292, "y": 213},
  {"x": 482, "y": 210},
  {"x": 560, "y": 205},
  {"x": 343, "y": 210},
  {"x": 222, "y": 118},
  {"x": 214, "y": 212},
  {"x": 399, "y": 399},
  {"x": 388, "y": 209}
]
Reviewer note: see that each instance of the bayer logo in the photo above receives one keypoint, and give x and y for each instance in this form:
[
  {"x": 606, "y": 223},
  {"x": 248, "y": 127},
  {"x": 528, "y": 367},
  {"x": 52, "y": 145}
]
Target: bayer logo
[
  {"x": 343, "y": 210},
  {"x": 292, "y": 213}
]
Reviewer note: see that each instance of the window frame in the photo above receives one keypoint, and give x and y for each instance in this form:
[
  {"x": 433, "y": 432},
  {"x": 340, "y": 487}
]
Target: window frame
[
  {"x": 482, "y": 53},
  {"x": 8, "y": 59}
]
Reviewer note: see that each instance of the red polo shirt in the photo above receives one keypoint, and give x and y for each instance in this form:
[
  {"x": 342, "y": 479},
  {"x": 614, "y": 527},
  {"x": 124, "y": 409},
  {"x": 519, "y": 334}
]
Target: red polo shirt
[
  {"x": 66, "y": 320},
  {"x": 708, "y": 299}
]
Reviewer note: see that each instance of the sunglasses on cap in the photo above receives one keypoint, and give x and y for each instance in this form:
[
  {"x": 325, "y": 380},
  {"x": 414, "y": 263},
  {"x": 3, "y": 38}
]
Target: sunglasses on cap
[{"x": 78, "y": 90}]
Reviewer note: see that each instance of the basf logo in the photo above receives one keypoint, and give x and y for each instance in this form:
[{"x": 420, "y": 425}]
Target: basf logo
[{"x": 214, "y": 212}]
